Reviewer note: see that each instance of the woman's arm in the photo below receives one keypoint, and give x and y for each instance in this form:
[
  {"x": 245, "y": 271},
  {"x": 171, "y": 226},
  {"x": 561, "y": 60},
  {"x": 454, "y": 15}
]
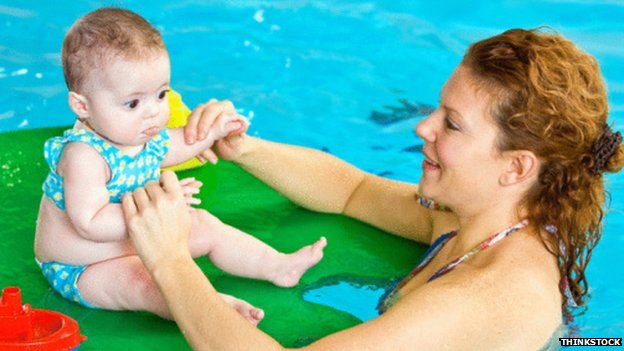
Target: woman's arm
[
  {"x": 430, "y": 320},
  {"x": 467, "y": 311},
  {"x": 207, "y": 322},
  {"x": 321, "y": 182},
  {"x": 311, "y": 178},
  {"x": 160, "y": 225}
]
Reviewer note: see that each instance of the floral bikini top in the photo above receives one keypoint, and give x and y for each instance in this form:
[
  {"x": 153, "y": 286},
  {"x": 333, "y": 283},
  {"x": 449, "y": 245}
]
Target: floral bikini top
[{"x": 127, "y": 172}]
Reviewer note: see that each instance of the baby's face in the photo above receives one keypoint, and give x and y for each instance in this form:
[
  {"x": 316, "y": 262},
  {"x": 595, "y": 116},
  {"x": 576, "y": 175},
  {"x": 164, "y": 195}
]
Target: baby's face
[{"x": 128, "y": 99}]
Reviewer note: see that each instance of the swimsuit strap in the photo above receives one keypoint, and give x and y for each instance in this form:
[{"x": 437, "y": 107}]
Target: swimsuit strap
[
  {"x": 431, "y": 252},
  {"x": 391, "y": 295},
  {"x": 443, "y": 239},
  {"x": 486, "y": 244}
]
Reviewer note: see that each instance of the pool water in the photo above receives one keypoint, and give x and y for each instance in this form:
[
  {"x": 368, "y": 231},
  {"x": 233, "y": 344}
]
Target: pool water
[{"x": 351, "y": 78}]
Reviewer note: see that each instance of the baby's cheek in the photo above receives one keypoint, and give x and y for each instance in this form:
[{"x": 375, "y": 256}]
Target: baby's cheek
[
  {"x": 166, "y": 114},
  {"x": 131, "y": 131}
]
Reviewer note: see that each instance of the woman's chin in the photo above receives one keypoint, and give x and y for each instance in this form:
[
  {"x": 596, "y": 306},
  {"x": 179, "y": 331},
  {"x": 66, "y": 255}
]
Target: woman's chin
[{"x": 424, "y": 189}]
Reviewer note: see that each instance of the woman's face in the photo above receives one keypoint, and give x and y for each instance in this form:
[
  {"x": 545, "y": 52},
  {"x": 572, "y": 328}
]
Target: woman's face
[{"x": 462, "y": 166}]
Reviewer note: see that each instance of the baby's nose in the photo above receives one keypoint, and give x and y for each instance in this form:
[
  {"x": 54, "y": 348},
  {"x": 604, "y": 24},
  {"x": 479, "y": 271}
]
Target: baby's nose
[{"x": 152, "y": 111}]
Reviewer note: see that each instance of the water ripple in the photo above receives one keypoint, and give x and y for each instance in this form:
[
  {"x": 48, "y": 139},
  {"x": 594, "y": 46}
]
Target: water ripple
[{"x": 16, "y": 12}]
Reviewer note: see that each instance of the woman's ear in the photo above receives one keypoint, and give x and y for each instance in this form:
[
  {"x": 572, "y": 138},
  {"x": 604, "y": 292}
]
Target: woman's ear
[
  {"x": 79, "y": 104},
  {"x": 521, "y": 165}
]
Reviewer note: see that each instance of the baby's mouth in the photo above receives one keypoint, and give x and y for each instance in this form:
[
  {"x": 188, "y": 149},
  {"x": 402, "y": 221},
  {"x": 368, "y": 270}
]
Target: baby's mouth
[{"x": 151, "y": 131}]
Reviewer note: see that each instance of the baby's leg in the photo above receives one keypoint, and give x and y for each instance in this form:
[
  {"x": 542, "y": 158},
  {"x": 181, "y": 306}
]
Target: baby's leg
[
  {"x": 124, "y": 284},
  {"x": 241, "y": 254}
]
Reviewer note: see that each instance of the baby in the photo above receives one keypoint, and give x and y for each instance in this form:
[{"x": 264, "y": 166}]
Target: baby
[{"x": 117, "y": 69}]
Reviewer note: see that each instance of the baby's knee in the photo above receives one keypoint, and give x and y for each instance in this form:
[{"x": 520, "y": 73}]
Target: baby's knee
[
  {"x": 125, "y": 286},
  {"x": 143, "y": 294},
  {"x": 141, "y": 284}
]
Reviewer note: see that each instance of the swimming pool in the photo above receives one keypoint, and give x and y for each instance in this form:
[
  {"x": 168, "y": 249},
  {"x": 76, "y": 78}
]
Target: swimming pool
[{"x": 348, "y": 77}]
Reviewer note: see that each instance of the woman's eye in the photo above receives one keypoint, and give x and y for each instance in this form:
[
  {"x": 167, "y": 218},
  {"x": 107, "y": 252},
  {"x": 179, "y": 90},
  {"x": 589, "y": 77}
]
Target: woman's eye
[
  {"x": 133, "y": 104},
  {"x": 163, "y": 94},
  {"x": 450, "y": 124}
]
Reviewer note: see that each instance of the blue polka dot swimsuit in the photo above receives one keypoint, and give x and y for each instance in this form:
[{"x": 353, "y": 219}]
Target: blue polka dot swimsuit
[{"x": 127, "y": 172}]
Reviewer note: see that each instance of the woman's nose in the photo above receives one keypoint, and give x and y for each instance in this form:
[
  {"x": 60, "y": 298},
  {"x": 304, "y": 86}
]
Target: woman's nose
[{"x": 426, "y": 129}]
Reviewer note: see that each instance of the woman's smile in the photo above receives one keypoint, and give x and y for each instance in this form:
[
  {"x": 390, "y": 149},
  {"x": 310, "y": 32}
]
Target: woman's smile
[{"x": 429, "y": 166}]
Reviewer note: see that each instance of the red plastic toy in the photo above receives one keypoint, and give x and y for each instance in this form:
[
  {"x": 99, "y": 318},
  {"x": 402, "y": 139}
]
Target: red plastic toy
[{"x": 24, "y": 328}]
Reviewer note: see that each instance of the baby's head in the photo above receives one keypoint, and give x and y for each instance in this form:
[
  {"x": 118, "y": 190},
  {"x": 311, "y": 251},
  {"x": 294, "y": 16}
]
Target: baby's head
[{"x": 117, "y": 71}]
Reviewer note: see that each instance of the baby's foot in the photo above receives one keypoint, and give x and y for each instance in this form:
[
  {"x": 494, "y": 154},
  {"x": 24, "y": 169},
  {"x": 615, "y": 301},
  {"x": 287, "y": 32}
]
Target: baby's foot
[
  {"x": 294, "y": 265},
  {"x": 252, "y": 314}
]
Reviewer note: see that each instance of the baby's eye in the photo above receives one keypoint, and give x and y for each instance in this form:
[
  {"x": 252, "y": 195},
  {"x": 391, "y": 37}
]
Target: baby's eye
[
  {"x": 163, "y": 94},
  {"x": 132, "y": 104}
]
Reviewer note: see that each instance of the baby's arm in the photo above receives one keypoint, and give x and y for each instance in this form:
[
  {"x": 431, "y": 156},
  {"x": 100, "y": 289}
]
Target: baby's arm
[
  {"x": 85, "y": 174},
  {"x": 180, "y": 151}
]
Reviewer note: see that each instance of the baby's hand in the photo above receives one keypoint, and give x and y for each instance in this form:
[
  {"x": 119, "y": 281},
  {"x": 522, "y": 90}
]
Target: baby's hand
[
  {"x": 202, "y": 120},
  {"x": 190, "y": 187},
  {"x": 228, "y": 125}
]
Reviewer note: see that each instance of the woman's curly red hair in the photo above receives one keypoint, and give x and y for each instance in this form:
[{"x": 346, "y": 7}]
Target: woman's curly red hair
[{"x": 548, "y": 97}]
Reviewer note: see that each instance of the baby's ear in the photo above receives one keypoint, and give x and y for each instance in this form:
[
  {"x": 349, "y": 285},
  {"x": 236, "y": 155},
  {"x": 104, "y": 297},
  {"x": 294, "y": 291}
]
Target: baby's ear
[{"x": 78, "y": 104}]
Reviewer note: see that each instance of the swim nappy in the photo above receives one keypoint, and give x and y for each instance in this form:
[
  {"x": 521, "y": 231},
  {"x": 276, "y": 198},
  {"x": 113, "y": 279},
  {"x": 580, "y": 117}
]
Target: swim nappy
[{"x": 63, "y": 278}]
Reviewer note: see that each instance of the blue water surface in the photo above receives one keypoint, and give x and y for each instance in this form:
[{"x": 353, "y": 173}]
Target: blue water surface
[{"x": 348, "y": 77}]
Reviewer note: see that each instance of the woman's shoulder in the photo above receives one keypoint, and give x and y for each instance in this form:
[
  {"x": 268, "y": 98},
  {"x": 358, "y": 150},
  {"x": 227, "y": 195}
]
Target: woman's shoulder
[
  {"x": 518, "y": 281},
  {"x": 481, "y": 306},
  {"x": 523, "y": 253},
  {"x": 513, "y": 286},
  {"x": 519, "y": 263}
]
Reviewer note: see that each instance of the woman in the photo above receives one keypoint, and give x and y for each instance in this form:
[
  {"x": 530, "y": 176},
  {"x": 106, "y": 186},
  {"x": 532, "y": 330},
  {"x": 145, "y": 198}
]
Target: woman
[{"x": 515, "y": 153}]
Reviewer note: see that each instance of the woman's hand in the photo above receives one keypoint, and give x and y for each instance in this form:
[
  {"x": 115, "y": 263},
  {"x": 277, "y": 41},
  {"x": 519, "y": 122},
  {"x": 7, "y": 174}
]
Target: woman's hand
[
  {"x": 202, "y": 119},
  {"x": 158, "y": 221},
  {"x": 230, "y": 148}
]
